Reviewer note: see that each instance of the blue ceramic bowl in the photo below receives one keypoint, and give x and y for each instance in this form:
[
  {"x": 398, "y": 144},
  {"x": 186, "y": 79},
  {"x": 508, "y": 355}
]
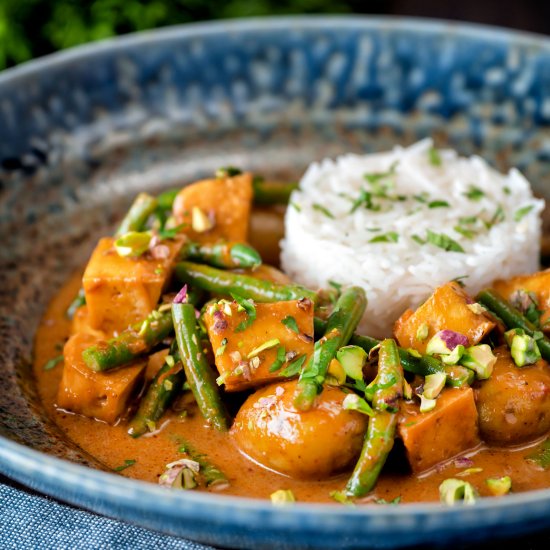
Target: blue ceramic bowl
[{"x": 84, "y": 130}]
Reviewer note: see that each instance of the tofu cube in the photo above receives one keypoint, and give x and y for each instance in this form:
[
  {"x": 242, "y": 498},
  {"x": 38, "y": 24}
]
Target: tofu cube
[
  {"x": 439, "y": 435},
  {"x": 225, "y": 201},
  {"x": 239, "y": 357},
  {"x": 121, "y": 291},
  {"x": 446, "y": 309},
  {"x": 101, "y": 395},
  {"x": 537, "y": 283}
]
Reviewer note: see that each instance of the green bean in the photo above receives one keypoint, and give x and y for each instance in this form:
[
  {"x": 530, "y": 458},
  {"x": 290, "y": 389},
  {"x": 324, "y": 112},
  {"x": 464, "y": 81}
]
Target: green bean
[
  {"x": 513, "y": 318},
  {"x": 199, "y": 374},
  {"x": 340, "y": 326},
  {"x": 376, "y": 448},
  {"x": 226, "y": 282},
  {"x": 387, "y": 388},
  {"x": 267, "y": 193},
  {"x": 223, "y": 254},
  {"x": 139, "y": 339},
  {"x": 164, "y": 388},
  {"x": 142, "y": 207}
]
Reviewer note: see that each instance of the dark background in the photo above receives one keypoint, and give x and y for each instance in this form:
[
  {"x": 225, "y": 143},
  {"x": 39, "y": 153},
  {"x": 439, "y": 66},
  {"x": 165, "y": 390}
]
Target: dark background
[{"x": 31, "y": 28}]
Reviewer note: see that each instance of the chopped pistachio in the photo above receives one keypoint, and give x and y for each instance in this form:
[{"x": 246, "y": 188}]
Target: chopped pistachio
[
  {"x": 407, "y": 390},
  {"x": 336, "y": 375},
  {"x": 422, "y": 332},
  {"x": 414, "y": 353},
  {"x": 133, "y": 243},
  {"x": 352, "y": 359},
  {"x": 480, "y": 359},
  {"x": 169, "y": 360},
  {"x": 453, "y": 490},
  {"x": 221, "y": 347},
  {"x": 200, "y": 221},
  {"x": 341, "y": 497},
  {"x": 523, "y": 348},
  {"x": 499, "y": 486},
  {"x": 427, "y": 404},
  {"x": 352, "y": 402},
  {"x": 282, "y": 497},
  {"x": 433, "y": 385},
  {"x": 476, "y": 308},
  {"x": 469, "y": 472},
  {"x": 454, "y": 357},
  {"x": 168, "y": 385}
]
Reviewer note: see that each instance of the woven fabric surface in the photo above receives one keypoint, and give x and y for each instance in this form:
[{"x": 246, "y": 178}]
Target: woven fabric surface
[{"x": 33, "y": 522}]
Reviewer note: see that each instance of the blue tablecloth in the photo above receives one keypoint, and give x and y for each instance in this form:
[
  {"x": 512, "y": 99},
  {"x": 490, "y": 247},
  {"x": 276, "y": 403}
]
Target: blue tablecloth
[{"x": 34, "y": 522}]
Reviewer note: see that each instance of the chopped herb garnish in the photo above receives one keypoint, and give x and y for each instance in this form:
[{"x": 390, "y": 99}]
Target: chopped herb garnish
[
  {"x": 422, "y": 197},
  {"x": 390, "y": 237},
  {"x": 221, "y": 348},
  {"x": 127, "y": 463},
  {"x": 52, "y": 363},
  {"x": 541, "y": 456},
  {"x": 418, "y": 239},
  {"x": 290, "y": 323},
  {"x": 228, "y": 172},
  {"x": 364, "y": 199},
  {"x": 296, "y": 206},
  {"x": 295, "y": 367},
  {"x": 443, "y": 241},
  {"x": 522, "y": 212},
  {"x": 506, "y": 190},
  {"x": 323, "y": 210},
  {"x": 172, "y": 232},
  {"x": 474, "y": 193},
  {"x": 335, "y": 285},
  {"x": 467, "y": 220},
  {"x": 396, "y": 500},
  {"x": 434, "y": 156},
  {"x": 467, "y": 233},
  {"x": 439, "y": 204},
  {"x": 498, "y": 217},
  {"x": 250, "y": 309},
  {"x": 279, "y": 361},
  {"x": 459, "y": 280}
]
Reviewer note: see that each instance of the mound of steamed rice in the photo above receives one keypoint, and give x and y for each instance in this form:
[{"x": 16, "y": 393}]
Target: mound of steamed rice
[{"x": 403, "y": 222}]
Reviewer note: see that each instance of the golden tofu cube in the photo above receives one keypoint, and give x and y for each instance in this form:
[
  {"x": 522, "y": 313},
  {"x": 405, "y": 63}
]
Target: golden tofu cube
[
  {"x": 437, "y": 436},
  {"x": 101, "y": 395},
  {"x": 446, "y": 309},
  {"x": 226, "y": 201},
  {"x": 537, "y": 283},
  {"x": 285, "y": 327},
  {"x": 121, "y": 291}
]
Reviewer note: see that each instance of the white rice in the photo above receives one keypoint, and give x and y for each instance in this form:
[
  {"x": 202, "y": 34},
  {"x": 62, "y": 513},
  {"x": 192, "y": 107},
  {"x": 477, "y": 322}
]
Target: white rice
[{"x": 399, "y": 275}]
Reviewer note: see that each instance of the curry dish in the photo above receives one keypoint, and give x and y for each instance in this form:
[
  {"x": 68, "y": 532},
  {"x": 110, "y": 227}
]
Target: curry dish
[{"x": 188, "y": 360}]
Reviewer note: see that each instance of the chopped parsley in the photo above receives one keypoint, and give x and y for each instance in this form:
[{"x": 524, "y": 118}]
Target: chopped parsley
[
  {"x": 323, "y": 210},
  {"x": 127, "y": 463},
  {"x": 296, "y": 206},
  {"x": 541, "y": 456},
  {"x": 171, "y": 233},
  {"x": 290, "y": 323},
  {"x": 460, "y": 280},
  {"x": 443, "y": 241},
  {"x": 434, "y": 157},
  {"x": 522, "y": 212},
  {"x": 52, "y": 363},
  {"x": 418, "y": 239},
  {"x": 390, "y": 237},
  {"x": 295, "y": 367},
  {"x": 364, "y": 199},
  {"x": 422, "y": 197},
  {"x": 467, "y": 233},
  {"x": 474, "y": 193},
  {"x": 439, "y": 204},
  {"x": 250, "y": 309},
  {"x": 498, "y": 217}
]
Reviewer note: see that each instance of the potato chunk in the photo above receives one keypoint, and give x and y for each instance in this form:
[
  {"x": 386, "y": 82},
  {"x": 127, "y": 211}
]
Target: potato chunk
[
  {"x": 226, "y": 200},
  {"x": 240, "y": 359},
  {"x": 121, "y": 291},
  {"x": 446, "y": 309},
  {"x": 103, "y": 396},
  {"x": 537, "y": 283},
  {"x": 514, "y": 404},
  {"x": 438, "y": 435},
  {"x": 314, "y": 444}
]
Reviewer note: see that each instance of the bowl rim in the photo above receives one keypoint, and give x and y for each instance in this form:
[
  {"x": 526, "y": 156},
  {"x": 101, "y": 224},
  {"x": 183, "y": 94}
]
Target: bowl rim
[{"x": 20, "y": 460}]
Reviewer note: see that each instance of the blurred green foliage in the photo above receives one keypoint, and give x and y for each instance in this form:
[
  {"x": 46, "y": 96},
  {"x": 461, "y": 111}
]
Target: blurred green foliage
[{"x": 30, "y": 28}]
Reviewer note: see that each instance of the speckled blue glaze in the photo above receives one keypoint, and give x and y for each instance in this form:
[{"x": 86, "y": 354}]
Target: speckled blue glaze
[{"x": 84, "y": 130}]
